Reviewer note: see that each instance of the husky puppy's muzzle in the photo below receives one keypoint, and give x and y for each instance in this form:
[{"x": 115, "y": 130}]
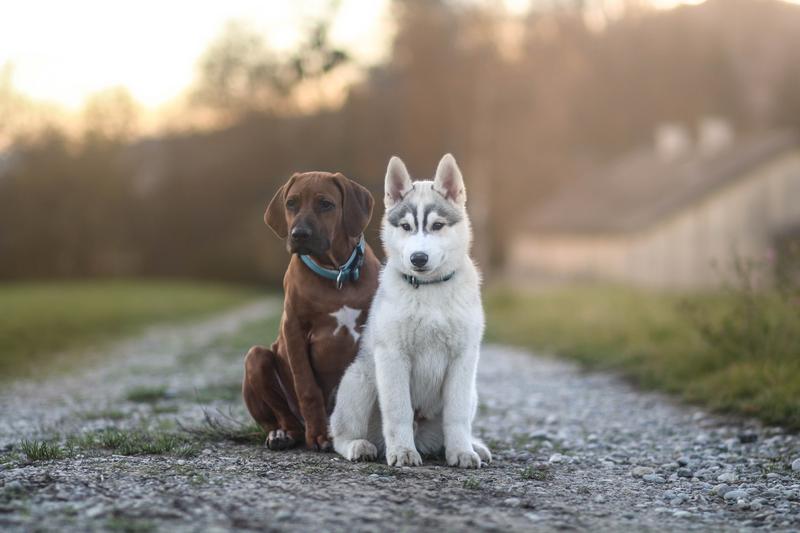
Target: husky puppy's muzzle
[{"x": 419, "y": 260}]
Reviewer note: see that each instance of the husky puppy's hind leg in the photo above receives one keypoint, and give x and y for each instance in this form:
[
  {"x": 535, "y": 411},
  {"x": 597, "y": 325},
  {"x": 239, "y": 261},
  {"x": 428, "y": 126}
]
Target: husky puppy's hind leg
[{"x": 350, "y": 421}]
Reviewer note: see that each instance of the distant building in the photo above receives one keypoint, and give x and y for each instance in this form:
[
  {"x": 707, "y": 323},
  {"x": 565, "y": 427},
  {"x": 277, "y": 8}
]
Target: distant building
[{"x": 671, "y": 215}]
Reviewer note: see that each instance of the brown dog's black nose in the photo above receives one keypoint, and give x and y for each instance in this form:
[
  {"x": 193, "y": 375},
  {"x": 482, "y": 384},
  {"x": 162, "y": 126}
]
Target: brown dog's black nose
[
  {"x": 419, "y": 259},
  {"x": 300, "y": 233}
]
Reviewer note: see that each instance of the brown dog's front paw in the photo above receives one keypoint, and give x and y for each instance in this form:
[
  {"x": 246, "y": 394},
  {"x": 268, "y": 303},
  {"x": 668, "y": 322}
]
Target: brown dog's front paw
[
  {"x": 319, "y": 443},
  {"x": 278, "y": 439}
]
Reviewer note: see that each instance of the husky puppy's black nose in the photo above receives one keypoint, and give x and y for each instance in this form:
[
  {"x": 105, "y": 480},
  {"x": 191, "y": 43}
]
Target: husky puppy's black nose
[
  {"x": 300, "y": 233},
  {"x": 419, "y": 259}
]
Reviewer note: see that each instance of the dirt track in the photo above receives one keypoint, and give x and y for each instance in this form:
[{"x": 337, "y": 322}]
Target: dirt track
[{"x": 572, "y": 450}]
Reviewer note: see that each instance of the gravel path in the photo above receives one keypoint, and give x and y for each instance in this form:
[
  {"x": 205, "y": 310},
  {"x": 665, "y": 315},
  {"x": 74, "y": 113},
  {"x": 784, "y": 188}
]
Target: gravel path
[{"x": 572, "y": 451}]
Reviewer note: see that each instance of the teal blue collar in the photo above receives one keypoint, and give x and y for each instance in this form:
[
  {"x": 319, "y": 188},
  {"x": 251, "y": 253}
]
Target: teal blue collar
[
  {"x": 416, "y": 282},
  {"x": 350, "y": 270}
]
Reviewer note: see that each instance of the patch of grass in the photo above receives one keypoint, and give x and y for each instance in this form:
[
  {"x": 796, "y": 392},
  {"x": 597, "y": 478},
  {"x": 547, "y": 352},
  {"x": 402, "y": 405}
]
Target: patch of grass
[
  {"x": 225, "y": 427},
  {"x": 195, "y": 477},
  {"x": 146, "y": 394},
  {"x": 493, "y": 443},
  {"x": 16, "y": 493},
  {"x": 145, "y": 443},
  {"x": 668, "y": 341},
  {"x": 42, "y": 318},
  {"x": 161, "y": 409},
  {"x": 380, "y": 469},
  {"x": 522, "y": 441},
  {"x": 313, "y": 469},
  {"x": 235, "y": 345},
  {"x": 9, "y": 458},
  {"x": 134, "y": 442},
  {"x": 110, "y": 414},
  {"x": 166, "y": 425},
  {"x": 472, "y": 483},
  {"x": 79, "y": 442},
  {"x": 222, "y": 392},
  {"x": 36, "y": 450},
  {"x": 68, "y": 511},
  {"x": 780, "y": 465},
  {"x": 539, "y": 472},
  {"x": 124, "y": 524}
]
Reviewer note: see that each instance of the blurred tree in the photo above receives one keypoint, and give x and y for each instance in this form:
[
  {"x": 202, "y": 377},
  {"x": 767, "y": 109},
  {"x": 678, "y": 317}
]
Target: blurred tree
[
  {"x": 569, "y": 96},
  {"x": 240, "y": 75},
  {"x": 112, "y": 115},
  {"x": 786, "y": 111},
  {"x": 19, "y": 115}
]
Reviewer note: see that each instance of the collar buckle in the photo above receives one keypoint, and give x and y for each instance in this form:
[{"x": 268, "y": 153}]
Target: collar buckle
[{"x": 351, "y": 270}]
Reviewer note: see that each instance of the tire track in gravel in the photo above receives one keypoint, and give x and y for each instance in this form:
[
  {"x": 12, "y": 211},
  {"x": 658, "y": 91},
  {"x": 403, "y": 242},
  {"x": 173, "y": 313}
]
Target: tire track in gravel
[{"x": 573, "y": 450}]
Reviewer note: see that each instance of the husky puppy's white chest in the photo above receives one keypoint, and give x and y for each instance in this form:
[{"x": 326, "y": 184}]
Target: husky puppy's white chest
[{"x": 431, "y": 327}]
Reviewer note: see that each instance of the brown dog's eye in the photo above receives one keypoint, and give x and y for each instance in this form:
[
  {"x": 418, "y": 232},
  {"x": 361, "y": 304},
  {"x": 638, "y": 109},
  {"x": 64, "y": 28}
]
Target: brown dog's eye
[
  {"x": 326, "y": 205},
  {"x": 291, "y": 204},
  {"x": 405, "y": 226},
  {"x": 437, "y": 226}
]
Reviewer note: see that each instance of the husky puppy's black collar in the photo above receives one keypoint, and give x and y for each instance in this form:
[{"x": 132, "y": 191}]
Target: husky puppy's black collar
[{"x": 416, "y": 282}]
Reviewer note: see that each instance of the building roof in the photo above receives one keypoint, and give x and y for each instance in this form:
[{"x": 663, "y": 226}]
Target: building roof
[{"x": 641, "y": 188}]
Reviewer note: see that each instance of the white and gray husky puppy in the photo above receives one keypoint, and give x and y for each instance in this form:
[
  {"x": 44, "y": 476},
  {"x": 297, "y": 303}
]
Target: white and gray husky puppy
[{"x": 411, "y": 390}]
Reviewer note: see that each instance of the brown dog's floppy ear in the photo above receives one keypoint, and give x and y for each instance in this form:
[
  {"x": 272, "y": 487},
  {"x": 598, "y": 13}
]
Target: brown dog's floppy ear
[
  {"x": 356, "y": 207},
  {"x": 275, "y": 215}
]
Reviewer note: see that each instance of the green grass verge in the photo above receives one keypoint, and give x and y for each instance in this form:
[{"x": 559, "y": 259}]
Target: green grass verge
[
  {"x": 732, "y": 352},
  {"x": 40, "y": 319}
]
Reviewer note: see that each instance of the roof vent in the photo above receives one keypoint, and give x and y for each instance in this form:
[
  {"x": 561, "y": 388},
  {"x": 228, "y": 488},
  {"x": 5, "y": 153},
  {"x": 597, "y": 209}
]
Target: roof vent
[{"x": 672, "y": 141}]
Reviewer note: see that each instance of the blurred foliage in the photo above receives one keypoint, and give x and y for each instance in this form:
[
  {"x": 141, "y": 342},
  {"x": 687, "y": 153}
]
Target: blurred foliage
[
  {"x": 39, "y": 321},
  {"x": 736, "y": 351},
  {"x": 762, "y": 318},
  {"x": 239, "y": 75},
  {"x": 524, "y": 104},
  {"x": 111, "y": 115}
]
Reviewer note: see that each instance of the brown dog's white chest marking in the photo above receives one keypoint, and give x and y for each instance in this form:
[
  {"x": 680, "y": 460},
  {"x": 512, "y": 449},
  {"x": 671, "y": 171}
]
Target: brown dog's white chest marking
[{"x": 347, "y": 318}]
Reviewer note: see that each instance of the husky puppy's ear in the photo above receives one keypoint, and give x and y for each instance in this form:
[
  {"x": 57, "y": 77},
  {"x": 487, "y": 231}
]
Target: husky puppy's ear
[
  {"x": 398, "y": 182},
  {"x": 448, "y": 180}
]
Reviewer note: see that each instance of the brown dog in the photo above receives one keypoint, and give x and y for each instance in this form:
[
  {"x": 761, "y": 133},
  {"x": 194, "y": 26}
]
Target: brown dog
[{"x": 293, "y": 383}]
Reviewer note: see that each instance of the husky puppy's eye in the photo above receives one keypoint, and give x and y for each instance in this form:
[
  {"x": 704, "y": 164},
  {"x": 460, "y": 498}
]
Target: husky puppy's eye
[
  {"x": 436, "y": 226},
  {"x": 405, "y": 226}
]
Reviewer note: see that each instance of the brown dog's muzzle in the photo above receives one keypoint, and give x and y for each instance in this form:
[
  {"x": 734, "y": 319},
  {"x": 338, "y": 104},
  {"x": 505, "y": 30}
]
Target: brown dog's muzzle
[{"x": 306, "y": 239}]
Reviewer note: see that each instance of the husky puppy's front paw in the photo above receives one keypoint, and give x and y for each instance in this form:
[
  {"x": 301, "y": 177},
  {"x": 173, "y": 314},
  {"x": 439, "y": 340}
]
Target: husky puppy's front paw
[
  {"x": 400, "y": 456},
  {"x": 482, "y": 450},
  {"x": 361, "y": 450},
  {"x": 463, "y": 458}
]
